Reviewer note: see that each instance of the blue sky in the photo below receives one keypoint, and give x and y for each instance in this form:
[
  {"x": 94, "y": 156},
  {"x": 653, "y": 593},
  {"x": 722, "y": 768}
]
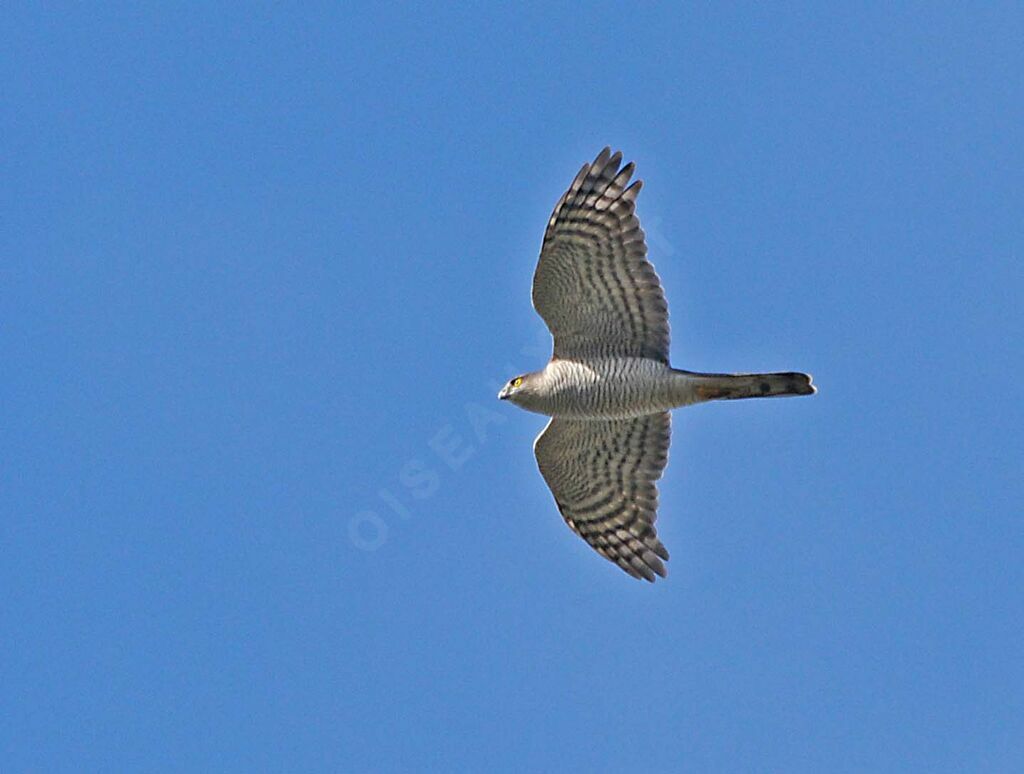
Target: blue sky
[{"x": 262, "y": 266}]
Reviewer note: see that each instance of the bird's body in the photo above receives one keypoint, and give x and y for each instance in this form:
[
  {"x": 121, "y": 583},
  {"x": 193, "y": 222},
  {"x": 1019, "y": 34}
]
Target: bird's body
[
  {"x": 625, "y": 387},
  {"x": 602, "y": 388},
  {"x": 609, "y": 386}
]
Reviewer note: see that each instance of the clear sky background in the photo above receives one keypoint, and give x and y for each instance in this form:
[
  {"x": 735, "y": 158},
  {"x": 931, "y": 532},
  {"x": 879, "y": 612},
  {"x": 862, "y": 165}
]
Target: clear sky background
[{"x": 258, "y": 266}]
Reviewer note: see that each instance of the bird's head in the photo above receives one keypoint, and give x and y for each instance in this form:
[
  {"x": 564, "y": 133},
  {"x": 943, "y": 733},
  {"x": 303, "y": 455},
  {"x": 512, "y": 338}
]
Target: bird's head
[{"x": 516, "y": 389}]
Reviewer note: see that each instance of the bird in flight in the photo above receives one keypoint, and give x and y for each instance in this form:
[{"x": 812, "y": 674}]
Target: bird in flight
[{"x": 608, "y": 387}]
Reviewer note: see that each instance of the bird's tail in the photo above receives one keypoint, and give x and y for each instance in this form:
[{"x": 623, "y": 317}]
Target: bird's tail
[{"x": 702, "y": 387}]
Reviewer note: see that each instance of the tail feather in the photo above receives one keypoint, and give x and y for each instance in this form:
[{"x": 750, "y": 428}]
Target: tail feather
[{"x": 736, "y": 386}]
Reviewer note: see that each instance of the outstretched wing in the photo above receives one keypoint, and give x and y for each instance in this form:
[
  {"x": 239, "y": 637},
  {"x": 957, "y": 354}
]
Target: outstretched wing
[
  {"x": 602, "y": 474},
  {"x": 594, "y": 286}
]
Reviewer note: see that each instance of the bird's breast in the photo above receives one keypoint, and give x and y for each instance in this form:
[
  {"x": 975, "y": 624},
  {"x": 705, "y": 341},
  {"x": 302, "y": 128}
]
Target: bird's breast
[{"x": 607, "y": 388}]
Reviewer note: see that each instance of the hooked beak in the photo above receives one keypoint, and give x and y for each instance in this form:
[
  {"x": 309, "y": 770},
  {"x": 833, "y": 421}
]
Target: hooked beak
[{"x": 503, "y": 395}]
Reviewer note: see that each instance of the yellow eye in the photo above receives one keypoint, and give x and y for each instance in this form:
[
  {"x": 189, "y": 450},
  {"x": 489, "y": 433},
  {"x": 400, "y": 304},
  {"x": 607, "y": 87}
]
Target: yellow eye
[{"x": 517, "y": 381}]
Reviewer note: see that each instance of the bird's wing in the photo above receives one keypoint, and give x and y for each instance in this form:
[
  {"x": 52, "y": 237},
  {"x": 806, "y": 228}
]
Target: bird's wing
[
  {"x": 594, "y": 286},
  {"x": 602, "y": 474}
]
